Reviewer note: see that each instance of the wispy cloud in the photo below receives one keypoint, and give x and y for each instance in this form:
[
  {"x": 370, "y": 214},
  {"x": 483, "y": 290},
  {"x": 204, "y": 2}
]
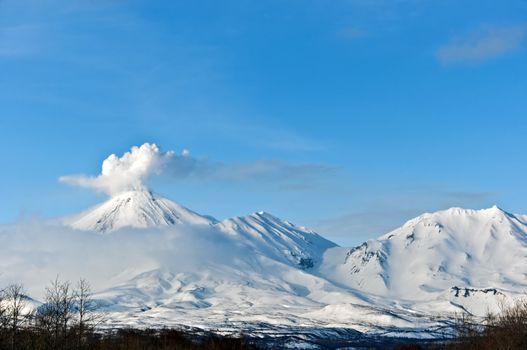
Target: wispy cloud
[
  {"x": 483, "y": 44},
  {"x": 133, "y": 170}
]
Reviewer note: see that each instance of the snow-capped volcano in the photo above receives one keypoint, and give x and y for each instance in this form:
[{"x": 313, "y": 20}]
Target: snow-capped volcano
[
  {"x": 261, "y": 232},
  {"x": 258, "y": 270},
  {"x": 139, "y": 208}
]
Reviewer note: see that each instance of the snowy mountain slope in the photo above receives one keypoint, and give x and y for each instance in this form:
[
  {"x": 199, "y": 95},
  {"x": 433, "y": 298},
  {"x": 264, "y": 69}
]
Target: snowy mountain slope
[
  {"x": 268, "y": 292},
  {"x": 139, "y": 208},
  {"x": 162, "y": 264},
  {"x": 195, "y": 275},
  {"x": 261, "y": 231},
  {"x": 262, "y": 279},
  {"x": 459, "y": 256},
  {"x": 273, "y": 237},
  {"x": 253, "y": 294}
]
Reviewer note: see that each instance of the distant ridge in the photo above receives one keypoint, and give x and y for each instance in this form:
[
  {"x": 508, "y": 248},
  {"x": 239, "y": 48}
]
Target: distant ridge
[{"x": 435, "y": 255}]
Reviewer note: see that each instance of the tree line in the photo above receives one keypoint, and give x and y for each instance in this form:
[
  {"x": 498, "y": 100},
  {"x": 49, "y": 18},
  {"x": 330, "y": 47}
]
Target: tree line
[
  {"x": 63, "y": 321},
  {"x": 505, "y": 330},
  {"x": 69, "y": 317}
]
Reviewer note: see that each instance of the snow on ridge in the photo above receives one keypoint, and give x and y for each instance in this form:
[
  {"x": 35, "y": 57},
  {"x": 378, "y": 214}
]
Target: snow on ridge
[
  {"x": 261, "y": 231},
  {"x": 259, "y": 267},
  {"x": 279, "y": 238},
  {"x": 436, "y": 252},
  {"x": 453, "y": 211},
  {"x": 138, "y": 208}
]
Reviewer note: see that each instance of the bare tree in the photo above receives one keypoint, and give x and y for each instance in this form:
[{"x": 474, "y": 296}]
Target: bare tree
[
  {"x": 85, "y": 308},
  {"x": 4, "y": 321},
  {"x": 56, "y": 314},
  {"x": 15, "y": 301}
]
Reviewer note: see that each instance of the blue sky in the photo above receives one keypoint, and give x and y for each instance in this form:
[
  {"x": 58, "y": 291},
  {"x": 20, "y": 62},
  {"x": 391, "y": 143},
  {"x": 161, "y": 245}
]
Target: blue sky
[{"x": 370, "y": 112}]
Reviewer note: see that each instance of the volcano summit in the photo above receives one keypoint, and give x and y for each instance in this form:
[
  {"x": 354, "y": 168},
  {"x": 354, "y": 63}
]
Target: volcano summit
[{"x": 140, "y": 209}]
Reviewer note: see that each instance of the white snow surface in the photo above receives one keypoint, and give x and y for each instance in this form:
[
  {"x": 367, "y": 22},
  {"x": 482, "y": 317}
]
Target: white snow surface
[
  {"x": 439, "y": 261},
  {"x": 160, "y": 264},
  {"x": 139, "y": 208}
]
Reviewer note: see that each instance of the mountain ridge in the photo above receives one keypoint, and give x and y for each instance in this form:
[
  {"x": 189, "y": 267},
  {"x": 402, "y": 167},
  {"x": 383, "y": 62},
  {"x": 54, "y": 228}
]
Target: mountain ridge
[
  {"x": 258, "y": 269},
  {"x": 433, "y": 255}
]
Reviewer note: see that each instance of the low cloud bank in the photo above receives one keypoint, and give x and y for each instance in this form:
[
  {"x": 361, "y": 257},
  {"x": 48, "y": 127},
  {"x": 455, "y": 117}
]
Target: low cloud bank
[{"x": 34, "y": 253}]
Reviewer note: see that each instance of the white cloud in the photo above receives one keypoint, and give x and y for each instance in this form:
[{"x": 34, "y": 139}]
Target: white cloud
[
  {"x": 129, "y": 172},
  {"x": 483, "y": 44},
  {"x": 134, "y": 168}
]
